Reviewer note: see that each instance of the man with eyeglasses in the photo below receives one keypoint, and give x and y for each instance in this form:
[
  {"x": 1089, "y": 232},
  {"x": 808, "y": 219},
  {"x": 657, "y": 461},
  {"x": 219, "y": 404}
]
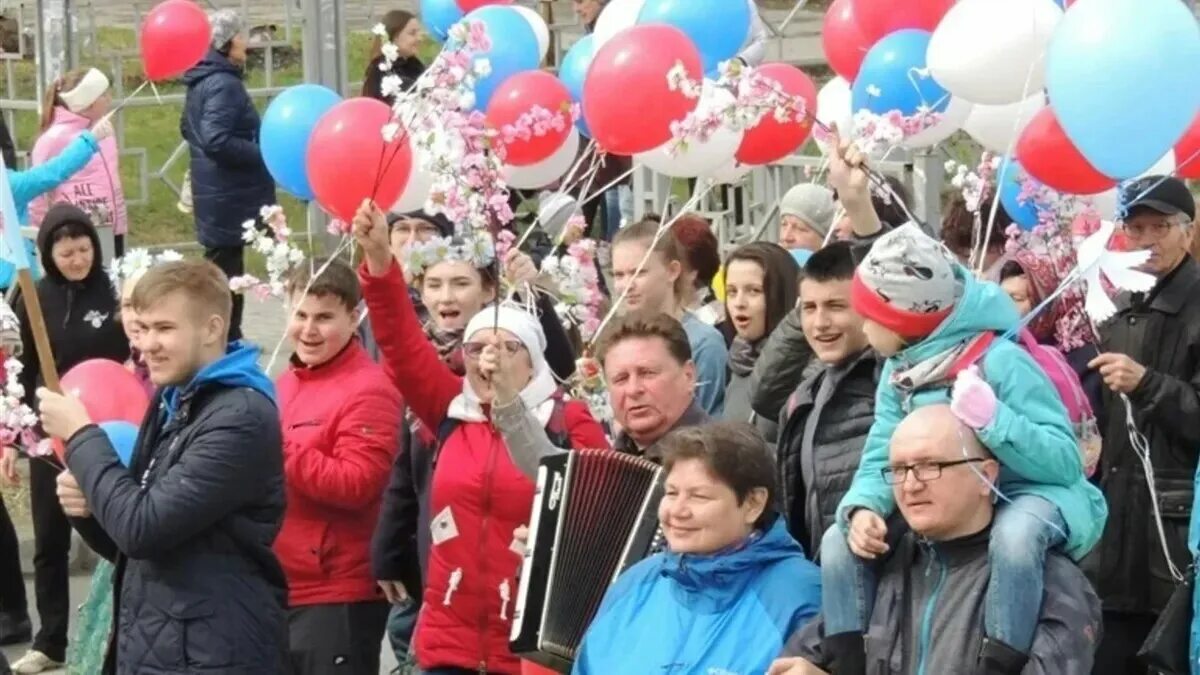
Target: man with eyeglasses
[
  {"x": 928, "y": 609},
  {"x": 1150, "y": 362}
]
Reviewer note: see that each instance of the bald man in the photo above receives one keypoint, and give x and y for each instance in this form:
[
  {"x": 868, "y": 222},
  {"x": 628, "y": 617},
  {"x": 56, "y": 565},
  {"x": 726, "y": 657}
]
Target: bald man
[{"x": 928, "y": 609}]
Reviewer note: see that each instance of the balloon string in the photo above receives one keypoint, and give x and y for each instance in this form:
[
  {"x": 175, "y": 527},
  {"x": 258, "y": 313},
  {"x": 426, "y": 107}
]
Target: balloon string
[
  {"x": 588, "y": 152},
  {"x": 345, "y": 242},
  {"x": 611, "y": 184},
  {"x": 129, "y": 98}
]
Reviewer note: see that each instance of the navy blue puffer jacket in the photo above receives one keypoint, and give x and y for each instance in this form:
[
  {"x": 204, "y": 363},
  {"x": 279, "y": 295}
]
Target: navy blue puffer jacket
[{"x": 230, "y": 182}]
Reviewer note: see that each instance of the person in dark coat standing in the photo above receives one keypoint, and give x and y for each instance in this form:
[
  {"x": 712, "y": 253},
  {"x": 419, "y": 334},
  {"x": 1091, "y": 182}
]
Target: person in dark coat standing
[
  {"x": 190, "y": 522},
  {"x": 80, "y": 311},
  {"x": 230, "y": 182},
  {"x": 403, "y": 32},
  {"x": 1150, "y": 357}
]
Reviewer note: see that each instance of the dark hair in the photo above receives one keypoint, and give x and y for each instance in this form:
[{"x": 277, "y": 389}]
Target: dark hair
[
  {"x": 65, "y": 82},
  {"x": 700, "y": 249},
  {"x": 958, "y": 226},
  {"x": 1011, "y": 269},
  {"x": 888, "y": 207},
  {"x": 72, "y": 229},
  {"x": 644, "y": 324},
  {"x": 202, "y": 283},
  {"x": 734, "y": 452},
  {"x": 780, "y": 273},
  {"x": 667, "y": 246},
  {"x": 336, "y": 279},
  {"x": 834, "y": 262},
  {"x": 393, "y": 22}
]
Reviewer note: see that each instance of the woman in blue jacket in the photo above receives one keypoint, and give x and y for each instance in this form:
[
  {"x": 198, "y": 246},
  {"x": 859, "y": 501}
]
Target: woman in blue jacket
[
  {"x": 733, "y": 585},
  {"x": 230, "y": 182},
  {"x": 36, "y": 181}
]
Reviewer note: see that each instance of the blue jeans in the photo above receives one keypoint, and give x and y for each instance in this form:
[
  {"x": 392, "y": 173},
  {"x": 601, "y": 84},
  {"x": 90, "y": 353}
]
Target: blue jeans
[
  {"x": 1022, "y": 532},
  {"x": 401, "y": 624},
  {"x": 618, "y": 205},
  {"x": 847, "y": 585}
]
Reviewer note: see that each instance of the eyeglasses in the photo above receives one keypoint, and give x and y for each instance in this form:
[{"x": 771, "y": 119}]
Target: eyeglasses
[
  {"x": 923, "y": 472},
  {"x": 1141, "y": 230},
  {"x": 474, "y": 349}
]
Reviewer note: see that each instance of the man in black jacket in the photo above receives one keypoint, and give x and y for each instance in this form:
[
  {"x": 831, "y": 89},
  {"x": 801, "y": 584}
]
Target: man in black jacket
[
  {"x": 1150, "y": 362},
  {"x": 190, "y": 523},
  {"x": 826, "y": 420}
]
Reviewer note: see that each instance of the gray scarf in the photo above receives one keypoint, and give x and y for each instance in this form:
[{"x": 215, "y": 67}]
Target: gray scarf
[
  {"x": 930, "y": 373},
  {"x": 742, "y": 356}
]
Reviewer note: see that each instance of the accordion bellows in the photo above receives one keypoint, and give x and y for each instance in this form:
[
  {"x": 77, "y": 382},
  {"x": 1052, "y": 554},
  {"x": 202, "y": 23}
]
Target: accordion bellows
[{"x": 594, "y": 515}]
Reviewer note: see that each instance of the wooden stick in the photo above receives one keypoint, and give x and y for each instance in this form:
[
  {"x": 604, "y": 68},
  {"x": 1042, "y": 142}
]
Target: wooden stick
[{"x": 37, "y": 324}]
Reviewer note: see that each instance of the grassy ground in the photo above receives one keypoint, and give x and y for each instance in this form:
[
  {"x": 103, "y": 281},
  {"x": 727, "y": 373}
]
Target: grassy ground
[{"x": 156, "y": 128}]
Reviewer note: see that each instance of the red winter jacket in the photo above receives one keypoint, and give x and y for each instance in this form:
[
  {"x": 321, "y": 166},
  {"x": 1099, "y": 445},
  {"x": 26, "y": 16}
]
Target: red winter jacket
[
  {"x": 478, "y": 497},
  {"x": 340, "y": 423}
]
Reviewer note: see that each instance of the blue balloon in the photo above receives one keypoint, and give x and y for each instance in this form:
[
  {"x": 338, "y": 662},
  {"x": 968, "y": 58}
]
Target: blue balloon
[
  {"x": 1024, "y": 214},
  {"x": 439, "y": 16},
  {"x": 123, "y": 437},
  {"x": 1124, "y": 80},
  {"x": 514, "y": 49},
  {"x": 718, "y": 29},
  {"x": 286, "y": 128},
  {"x": 894, "y": 76},
  {"x": 573, "y": 73}
]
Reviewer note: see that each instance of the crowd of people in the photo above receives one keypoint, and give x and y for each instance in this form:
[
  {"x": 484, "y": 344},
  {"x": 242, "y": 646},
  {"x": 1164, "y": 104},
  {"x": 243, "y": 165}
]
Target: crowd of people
[{"x": 885, "y": 448}]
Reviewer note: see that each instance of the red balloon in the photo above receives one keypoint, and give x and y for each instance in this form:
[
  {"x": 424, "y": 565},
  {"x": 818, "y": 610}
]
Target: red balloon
[
  {"x": 1187, "y": 152},
  {"x": 769, "y": 140},
  {"x": 627, "y": 102},
  {"x": 468, "y": 5},
  {"x": 108, "y": 390},
  {"x": 175, "y": 36},
  {"x": 348, "y": 158},
  {"x": 1050, "y": 157},
  {"x": 519, "y": 95},
  {"x": 842, "y": 39},
  {"x": 877, "y": 18}
]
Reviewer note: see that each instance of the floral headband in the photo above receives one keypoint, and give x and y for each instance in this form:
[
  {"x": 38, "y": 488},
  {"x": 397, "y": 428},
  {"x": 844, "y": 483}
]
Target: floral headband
[
  {"x": 476, "y": 248},
  {"x": 137, "y": 262}
]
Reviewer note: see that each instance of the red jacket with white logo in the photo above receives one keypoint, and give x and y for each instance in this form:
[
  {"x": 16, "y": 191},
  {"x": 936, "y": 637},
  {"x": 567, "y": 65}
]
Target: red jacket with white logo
[
  {"x": 340, "y": 424},
  {"x": 478, "y": 497}
]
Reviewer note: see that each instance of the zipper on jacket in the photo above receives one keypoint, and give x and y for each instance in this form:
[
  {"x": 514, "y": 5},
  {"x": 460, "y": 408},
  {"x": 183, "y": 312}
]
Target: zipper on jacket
[
  {"x": 488, "y": 479},
  {"x": 930, "y": 606}
]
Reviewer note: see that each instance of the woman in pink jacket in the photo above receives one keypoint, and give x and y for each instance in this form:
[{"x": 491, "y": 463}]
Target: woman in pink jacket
[{"x": 75, "y": 102}]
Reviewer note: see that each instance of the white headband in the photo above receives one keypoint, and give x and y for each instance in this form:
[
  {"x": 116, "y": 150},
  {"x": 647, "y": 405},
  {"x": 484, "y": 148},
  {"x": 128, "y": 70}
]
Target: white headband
[{"x": 88, "y": 91}]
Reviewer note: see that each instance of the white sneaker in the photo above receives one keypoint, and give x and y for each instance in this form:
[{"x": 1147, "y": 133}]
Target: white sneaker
[{"x": 35, "y": 662}]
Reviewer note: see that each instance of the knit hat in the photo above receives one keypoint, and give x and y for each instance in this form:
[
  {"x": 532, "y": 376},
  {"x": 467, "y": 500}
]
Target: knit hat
[
  {"x": 444, "y": 227},
  {"x": 226, "y": 24},
  {"x": 811, "y": 203},
  {"x": 907, "y": 283},
  {"x": 517, "y": 321}
]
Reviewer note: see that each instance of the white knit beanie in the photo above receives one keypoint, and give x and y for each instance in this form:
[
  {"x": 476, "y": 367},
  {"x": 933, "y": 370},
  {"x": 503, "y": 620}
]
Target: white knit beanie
[{"x": 517, "y": 321}]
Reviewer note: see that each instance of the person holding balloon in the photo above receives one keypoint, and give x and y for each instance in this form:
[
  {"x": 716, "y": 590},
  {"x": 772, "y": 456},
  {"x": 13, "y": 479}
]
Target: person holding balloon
[
  {"x": 80, "y": 311},
  {"x": 230, "y": 181},
  {"x": 402, "y": 31},
  {"x": 75, "y": 102}
]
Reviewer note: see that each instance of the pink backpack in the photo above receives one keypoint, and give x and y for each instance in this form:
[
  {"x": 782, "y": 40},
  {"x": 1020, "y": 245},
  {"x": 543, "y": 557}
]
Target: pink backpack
[{"x": 1066, "y": 383}]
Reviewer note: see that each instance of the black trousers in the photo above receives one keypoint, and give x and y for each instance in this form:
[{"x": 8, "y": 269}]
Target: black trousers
[
  {"x": 337, "y": 639},
  {"x": 1123, "y": 636},
  {"x": 51, "y": 557},
  {"x": 118, "y": 245},
  {"x": 232, "y": 261},
  {"x": 12, "y": 584}
]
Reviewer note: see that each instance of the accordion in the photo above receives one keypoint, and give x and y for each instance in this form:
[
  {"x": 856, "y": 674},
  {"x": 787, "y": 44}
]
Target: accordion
[{"x": 594, "y": 515}]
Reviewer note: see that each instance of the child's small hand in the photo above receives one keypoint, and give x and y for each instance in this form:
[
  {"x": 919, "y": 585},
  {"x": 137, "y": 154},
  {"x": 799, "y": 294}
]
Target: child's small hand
[
  {"x": 972, "y": 400},
  {"x": 868, "y": 534}
]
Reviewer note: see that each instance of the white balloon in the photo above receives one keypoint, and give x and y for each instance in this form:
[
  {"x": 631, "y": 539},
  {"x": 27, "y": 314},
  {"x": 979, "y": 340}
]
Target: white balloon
[
  {"x": 540, "y": 29},
  {"x": 952, "y": 119},
  {"x": 1163, "y": 167},
  {"x": 546, "y": 171},
  {"x": 997, "y": 127},
  {"x": 698, "y": 158},
  {"x": 420, "y": 182},
  {"x": 730, "y": 173},
  {"x": 833, "y": 107},
  {"x": 616, "y": 17},
  {"x": 993, "y": 51}
]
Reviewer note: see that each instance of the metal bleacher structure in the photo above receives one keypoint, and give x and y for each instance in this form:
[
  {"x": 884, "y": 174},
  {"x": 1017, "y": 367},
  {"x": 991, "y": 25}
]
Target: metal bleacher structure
[{"x": 56, "y": 35}]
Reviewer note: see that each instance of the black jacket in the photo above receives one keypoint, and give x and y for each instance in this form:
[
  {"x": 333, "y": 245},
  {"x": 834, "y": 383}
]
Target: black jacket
[
  {"x": 230, "y": 182},
  {"x": 811, "y": 485},
  {"x": 190, "y": 525},
  {"x": 1161, "y": 332},
  {"x": 81, "y": 316},
  {"x": 407, "y": 69}
]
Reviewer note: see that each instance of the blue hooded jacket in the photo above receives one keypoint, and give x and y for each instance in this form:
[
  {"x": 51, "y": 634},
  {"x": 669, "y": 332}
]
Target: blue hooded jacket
[
  {"x": 1030, "y": 435},
  {"x": 238, "y": 368},
  {"x": 729, "y": 613}
]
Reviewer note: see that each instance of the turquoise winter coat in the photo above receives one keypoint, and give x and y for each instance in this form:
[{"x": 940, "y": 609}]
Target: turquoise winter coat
[
  {"x": 34, "y": 182},
  {"x": 728, "y": 613},
  {"x": 1031, "y": 435}
]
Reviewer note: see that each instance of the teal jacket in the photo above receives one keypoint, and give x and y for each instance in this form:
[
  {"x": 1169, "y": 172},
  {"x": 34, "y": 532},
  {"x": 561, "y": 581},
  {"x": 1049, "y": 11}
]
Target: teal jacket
[
  {"x": 37, "y": 180},
  {"x": 1031, "y": 435}
]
